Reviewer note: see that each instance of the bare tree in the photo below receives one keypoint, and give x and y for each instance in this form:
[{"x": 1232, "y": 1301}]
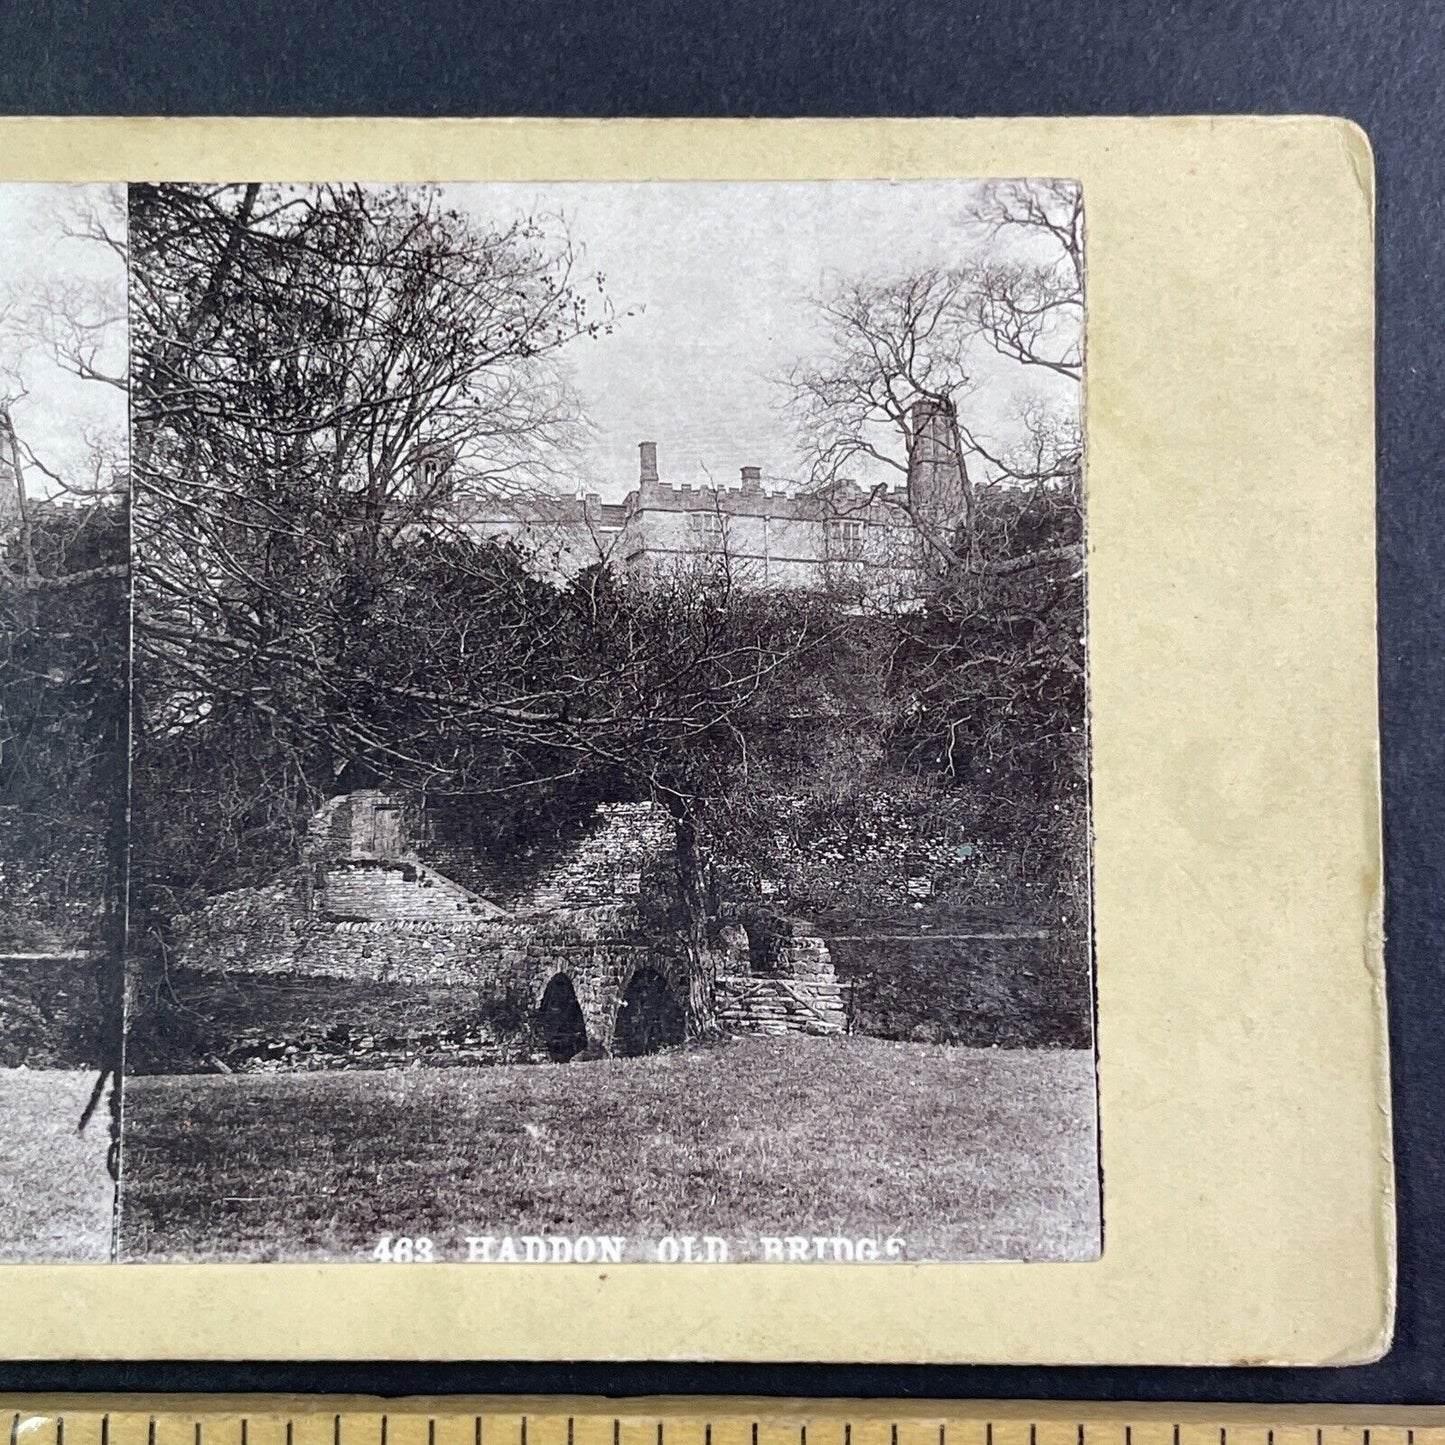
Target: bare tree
[
  {"x": 890, "y": 345},
  {"x": 1028, "y": 299},
  {"x": 63, "y": 616},
  {"x": 316, "y": 369},
  {"x": 306, "y": 622},
  {"x": 897, "y": 365},
  {"x": 987, "y": 670},
  {"x": 76, "y": 324}
]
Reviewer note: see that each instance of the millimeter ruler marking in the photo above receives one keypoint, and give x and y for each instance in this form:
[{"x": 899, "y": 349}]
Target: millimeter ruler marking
[{"x": 266, "y": 1420}]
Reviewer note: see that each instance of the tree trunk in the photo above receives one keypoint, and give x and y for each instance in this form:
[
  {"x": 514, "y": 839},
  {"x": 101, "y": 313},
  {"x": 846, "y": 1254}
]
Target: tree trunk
[{"x": 694, "y": 887}]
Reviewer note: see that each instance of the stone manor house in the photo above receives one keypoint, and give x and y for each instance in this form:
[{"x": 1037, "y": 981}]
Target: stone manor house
[
  {"x": 588, "y": 944},
  {"x": 844, "y": 535}
]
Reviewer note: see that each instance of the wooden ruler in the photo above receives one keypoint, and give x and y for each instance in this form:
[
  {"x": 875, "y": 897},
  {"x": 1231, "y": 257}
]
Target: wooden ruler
[{"x": 459, "y": 1420}]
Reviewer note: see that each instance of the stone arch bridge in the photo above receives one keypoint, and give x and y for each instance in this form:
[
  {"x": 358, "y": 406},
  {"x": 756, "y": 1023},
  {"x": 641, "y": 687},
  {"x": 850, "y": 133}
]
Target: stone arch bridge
[
  {"x": 588, "y": 979},
  {"x": 593, "y": 976}
]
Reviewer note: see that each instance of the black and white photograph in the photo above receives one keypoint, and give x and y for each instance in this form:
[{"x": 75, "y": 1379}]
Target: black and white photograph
[
  {"x": 588, "y": 761},
  {"x": 63, "y": 715}
]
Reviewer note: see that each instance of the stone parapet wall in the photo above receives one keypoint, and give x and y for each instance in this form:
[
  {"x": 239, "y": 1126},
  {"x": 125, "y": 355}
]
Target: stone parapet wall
[
  {"x": 750, "y": 1005},
  {"x": 382, "y": 890},
  {"x": 328, "y": 834},
  {"x": 782, "y": 981},
  {"x": 802, "y": 956},
  {"x": 607, "y": 865},
  {"x": 396, "y": 923},
  {"x": 779, "y": 946},
  {"x": 610, "y": 861},
  {"x": 267, "y": 932}
]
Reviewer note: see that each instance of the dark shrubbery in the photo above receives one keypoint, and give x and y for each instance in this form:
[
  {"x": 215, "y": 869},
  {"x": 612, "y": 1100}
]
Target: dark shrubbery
[
  {"x": 984, "y": 992},
  {"x": 50, "y": 1013},
  {"x": 62, "y": 728}
]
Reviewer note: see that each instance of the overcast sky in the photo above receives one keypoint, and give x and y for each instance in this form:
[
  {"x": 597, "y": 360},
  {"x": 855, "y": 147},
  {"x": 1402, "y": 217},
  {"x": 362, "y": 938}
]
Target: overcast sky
[
  {"x": 716, "y": 276},
  {"x": 37, "y": 258},
  {"x": 710, "y": 282}
]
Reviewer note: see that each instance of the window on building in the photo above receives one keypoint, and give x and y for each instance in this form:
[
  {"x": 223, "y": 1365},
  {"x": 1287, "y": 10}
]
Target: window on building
[
  {"x": 845, "y": 534},
  {"x": 430, "y": 480}
]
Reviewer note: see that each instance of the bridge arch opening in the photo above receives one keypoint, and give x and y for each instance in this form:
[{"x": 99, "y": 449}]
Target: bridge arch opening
[
  {"x": 560, "y": 1025},
  {"x": 649, "y": 1017}
]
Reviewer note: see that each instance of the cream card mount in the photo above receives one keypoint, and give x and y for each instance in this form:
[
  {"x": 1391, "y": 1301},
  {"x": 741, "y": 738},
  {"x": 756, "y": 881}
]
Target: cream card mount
[{"x": 730, "y": 740}]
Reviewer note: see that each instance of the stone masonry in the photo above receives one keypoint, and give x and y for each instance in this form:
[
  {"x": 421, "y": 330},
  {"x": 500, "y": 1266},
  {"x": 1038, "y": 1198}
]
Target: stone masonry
[
  {"x": 365, "y": 869},
  {"x": 365, "y": 908},
  {"x": 845, "y": 534}
]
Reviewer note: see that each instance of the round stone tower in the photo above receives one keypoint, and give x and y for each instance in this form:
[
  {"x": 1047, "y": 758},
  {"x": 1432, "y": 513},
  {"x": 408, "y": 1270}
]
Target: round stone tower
[{"x": 937, "y": 477}]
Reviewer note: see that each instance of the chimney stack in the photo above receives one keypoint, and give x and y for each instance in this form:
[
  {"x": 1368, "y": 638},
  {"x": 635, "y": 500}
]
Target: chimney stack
[
  {"x": 649, "y": 462},
  {"x": 752, "y": 481}
]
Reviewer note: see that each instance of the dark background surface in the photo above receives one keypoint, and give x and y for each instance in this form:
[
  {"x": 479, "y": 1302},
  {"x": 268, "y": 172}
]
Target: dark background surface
[{"x": 1376, "y": 61}]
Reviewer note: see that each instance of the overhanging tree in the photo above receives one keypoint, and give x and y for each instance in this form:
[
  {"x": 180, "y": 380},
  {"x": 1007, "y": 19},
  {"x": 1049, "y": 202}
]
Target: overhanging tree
[
  {"x": 63, "y": 626},
  {"x": 312, "y": 367},
  {"x": 987, "y": 672},
  {"x": 308, "y": 620},
  {"x": 679, "y": 688}
]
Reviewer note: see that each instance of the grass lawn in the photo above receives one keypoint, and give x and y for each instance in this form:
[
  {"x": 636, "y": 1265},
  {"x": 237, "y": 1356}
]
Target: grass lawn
[
  {"x": 963, "y": 1152},
  {"x": 55, "y": 1193}
]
